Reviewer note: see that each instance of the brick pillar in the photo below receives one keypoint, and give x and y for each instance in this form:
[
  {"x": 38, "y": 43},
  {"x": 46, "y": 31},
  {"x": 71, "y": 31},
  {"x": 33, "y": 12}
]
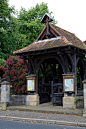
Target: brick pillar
[
  {"x": 84, "y": 92},
  {"x": 5, "y": 91}
]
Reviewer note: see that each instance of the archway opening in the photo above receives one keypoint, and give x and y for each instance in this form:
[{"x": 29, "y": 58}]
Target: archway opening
[{"x": 50, "y": 70}]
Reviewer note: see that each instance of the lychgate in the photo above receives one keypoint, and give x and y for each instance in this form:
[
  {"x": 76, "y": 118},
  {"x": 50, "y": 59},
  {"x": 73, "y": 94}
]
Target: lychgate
[{"x": 56, "y": 52}]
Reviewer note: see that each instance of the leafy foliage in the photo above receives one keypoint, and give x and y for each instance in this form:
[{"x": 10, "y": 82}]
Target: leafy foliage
[
  {"x": 30, "y": 21},
  {"x": 2, "y": 62},
  {"x": 16, "y": 33},
  {"x": 15, "y": 72},
  {"x": 85, "y": 52},
  {"x": 5, "y": 17},
  {"x": 76, "y": 100}
]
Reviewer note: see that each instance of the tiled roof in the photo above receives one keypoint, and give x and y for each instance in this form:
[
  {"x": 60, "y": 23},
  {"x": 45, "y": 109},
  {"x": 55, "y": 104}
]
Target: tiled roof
[
  {"x": 69, "y": 36},
  {"x": 67, "y": 39},
  {"x": 84, "y": 42}
]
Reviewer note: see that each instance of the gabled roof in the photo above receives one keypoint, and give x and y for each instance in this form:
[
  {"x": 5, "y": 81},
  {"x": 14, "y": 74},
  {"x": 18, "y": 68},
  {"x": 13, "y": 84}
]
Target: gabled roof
[
  {"x": 63, "y": 38},
  {"x": 71, "y": 37}
]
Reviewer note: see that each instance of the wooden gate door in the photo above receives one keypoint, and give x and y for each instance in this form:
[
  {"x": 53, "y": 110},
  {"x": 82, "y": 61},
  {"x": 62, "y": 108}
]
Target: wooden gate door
[
  {"x": 44, "y": 93},
  {"x": 57, "y": 94}
]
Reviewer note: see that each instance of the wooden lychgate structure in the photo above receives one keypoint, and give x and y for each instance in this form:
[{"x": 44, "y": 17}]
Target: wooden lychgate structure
[{"x": 59, "y": 50}]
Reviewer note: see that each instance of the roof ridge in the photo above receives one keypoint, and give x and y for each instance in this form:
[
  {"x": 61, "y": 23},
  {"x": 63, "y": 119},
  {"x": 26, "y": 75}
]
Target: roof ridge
[
  {"x": 62, "y": 29},
  {"x": 65, "y": 31}
]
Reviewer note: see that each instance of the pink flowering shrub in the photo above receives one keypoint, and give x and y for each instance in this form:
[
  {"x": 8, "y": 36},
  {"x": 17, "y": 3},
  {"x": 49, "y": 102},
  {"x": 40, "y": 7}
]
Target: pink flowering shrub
[
  {"x": 15, "y": 72},
  {"x": 2, "y": 68}
]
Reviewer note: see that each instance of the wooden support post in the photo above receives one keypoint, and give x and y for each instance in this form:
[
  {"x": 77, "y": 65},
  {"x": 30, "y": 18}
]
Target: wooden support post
[
  {"x": 52, "y": 90},
  {"x": 36, "y": 72},
  {"x": 37, "y": 83},
  {"x": 85, "y": 70},
  {"x": 29, "y": 69},
  {"x": 54, "y": 72},
  {"x": 75, "y": 71},
  {"x": 43, "y": 79},
  {"x": 66, "y": 64},
  {"x": 59, "y": 74}
]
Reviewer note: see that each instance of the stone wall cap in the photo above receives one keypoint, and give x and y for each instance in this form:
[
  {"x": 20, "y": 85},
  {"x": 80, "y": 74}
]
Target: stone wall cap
[
  {"x": 5, "y": 83},
  {"x": 71, "y": 74},
  {"x": 32, "y": 75},
  {"x": 84, "y": 81}
]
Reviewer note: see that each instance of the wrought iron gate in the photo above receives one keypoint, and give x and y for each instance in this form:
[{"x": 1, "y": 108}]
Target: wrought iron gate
[
  {"x": 57, "y": 95},
  {"x": 44, "y": 93}
]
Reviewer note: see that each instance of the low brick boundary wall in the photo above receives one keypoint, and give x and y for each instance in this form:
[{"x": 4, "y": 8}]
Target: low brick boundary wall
[
  {"x": 32, "y": 100},
  {"x": 19, "y": 100},
  {"x": 81, "y": 102}
]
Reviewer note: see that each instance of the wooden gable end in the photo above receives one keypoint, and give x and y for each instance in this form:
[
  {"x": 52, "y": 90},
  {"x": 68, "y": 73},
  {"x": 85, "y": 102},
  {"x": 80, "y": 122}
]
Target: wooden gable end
[{"x": 47, "y": 34}]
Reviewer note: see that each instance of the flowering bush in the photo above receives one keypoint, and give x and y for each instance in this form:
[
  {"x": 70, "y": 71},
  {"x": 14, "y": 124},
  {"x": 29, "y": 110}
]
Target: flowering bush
[
  {"x": 2, "y": 70},
  {"x": 15, "y": 72}
]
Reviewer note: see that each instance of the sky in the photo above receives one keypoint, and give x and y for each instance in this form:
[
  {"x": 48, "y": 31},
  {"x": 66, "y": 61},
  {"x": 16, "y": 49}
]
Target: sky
[{"x": 70, "y": 14}]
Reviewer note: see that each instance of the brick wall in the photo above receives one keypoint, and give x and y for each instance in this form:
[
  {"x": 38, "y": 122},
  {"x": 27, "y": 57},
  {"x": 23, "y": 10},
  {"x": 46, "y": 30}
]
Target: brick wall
[
  {"x": 19, "y": 100},
  {"x": 81, "y": 102}
]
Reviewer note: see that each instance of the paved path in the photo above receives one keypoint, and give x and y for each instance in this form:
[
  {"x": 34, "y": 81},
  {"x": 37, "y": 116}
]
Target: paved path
[
  {"x": 46, "y": 107},
  {"x": 44, "y": 113}
]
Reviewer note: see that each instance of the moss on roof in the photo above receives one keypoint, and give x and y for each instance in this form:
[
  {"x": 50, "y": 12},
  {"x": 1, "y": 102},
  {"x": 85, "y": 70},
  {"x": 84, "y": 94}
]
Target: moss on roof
[{"x": 67, "y": 39}]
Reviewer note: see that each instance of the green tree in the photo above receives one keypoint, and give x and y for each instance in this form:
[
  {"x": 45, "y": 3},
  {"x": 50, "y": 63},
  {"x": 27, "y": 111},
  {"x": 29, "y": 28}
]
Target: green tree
[
  {"x": 10, "y": 38},
  {"x": 5, "y": 17},
  {"x": 30, "y": 21},
  {"x": 16, "y": 40},
  {"x": 16, "y": 33}
]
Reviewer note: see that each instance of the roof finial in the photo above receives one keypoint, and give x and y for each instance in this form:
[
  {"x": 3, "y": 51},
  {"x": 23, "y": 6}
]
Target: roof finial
[
  {"x": 46, "y": 19},
  {"x": 50, "y": 18}
]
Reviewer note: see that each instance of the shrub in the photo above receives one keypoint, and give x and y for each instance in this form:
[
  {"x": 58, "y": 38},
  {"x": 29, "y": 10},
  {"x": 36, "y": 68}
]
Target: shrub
[{"x": 15, "y": 72}]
